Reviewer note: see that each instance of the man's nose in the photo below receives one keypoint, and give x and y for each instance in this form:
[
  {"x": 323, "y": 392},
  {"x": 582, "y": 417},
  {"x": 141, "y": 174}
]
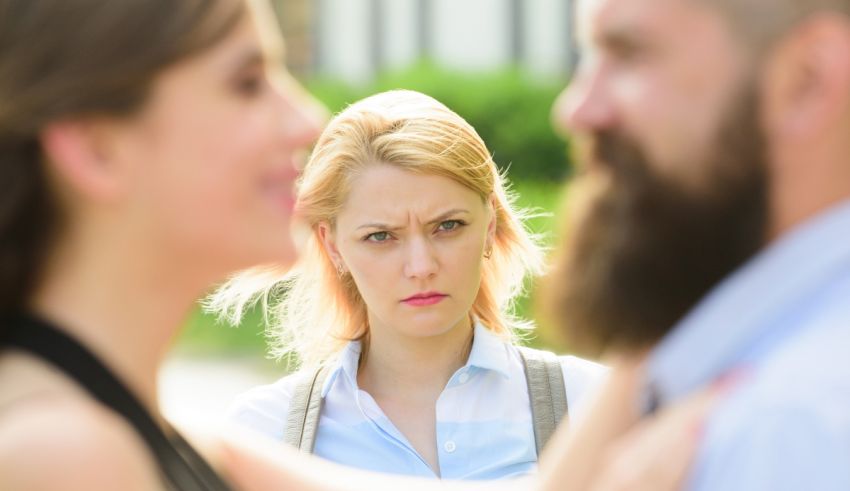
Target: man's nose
[{"x": 584, "y": 106}]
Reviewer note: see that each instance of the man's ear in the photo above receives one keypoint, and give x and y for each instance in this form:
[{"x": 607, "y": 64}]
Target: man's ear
[
  {"x": 808, "y": 78},
  {"x": 327, "y": 238},
  {"x": 80, "y": 153}
]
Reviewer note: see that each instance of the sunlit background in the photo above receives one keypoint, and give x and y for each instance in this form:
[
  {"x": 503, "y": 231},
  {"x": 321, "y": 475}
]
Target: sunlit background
[{"x": 498, "y": 63}]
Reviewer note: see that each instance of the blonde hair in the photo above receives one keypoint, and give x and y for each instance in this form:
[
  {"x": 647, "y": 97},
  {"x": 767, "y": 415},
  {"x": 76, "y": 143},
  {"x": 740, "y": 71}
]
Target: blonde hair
[{"x": 314, "y": 312}]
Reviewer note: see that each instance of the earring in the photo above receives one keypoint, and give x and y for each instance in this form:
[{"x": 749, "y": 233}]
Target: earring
[
  {"x": 340, "y": 270},
  {"x": 488, "y": 252}
]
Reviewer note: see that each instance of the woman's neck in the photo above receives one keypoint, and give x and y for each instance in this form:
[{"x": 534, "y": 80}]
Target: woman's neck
[
  {"x": 123, "y": 303},
  {"x": 405, "y": 366}
]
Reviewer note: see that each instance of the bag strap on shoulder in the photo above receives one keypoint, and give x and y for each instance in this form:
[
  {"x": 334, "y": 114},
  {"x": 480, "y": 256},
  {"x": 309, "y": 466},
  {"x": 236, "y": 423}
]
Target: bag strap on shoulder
[
  {"x": 543, "y": 374},
  {"x": 546, "y": 392},
  {"x": 305, "y": 409}
]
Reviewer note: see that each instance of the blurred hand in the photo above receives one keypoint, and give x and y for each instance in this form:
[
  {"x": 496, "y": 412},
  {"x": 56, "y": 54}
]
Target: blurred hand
[
  {"x": 656, "y": 454},
  {"x": 609, "y": 447},
  {"x": 254, "y": 463}
]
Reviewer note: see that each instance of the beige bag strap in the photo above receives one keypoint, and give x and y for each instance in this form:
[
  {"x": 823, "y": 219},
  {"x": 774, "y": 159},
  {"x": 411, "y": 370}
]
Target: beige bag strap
[
  {"x": 305, "y": 410},
  {"x": 546, "y": 391}
]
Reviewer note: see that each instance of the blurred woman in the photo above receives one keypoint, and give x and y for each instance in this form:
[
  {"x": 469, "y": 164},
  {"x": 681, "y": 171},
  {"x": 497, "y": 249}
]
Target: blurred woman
[{"x": 145, "y": 153}]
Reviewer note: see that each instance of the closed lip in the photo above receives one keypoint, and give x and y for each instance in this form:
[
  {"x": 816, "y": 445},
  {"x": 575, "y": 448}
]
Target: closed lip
[
  {"x": 425, "y": 297},
  {"x": 279, "y": 184}
]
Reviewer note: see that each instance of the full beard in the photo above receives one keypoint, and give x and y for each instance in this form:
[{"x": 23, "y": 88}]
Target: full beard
[{"x": 642, "y": 249}]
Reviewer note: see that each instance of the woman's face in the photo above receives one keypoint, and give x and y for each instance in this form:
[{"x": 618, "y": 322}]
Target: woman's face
[
  {"x": 414, "y": 245},
  {"x": 215, "y": 152}
]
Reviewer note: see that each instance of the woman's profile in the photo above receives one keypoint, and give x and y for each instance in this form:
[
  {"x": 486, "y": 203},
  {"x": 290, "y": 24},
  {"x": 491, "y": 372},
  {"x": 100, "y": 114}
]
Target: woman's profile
[{"x": 145, "y": 153}]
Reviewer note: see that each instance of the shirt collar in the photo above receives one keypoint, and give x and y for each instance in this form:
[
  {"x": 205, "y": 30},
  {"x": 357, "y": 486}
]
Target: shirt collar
[
  {"x": 346, "y": 366},
  {"x": 748, "y": 305},
  {"x": 488, "y": 353}
]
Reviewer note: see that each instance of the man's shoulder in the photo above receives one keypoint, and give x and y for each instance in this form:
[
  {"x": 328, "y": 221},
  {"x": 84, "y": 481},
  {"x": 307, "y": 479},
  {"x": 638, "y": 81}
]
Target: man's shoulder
[
  {"x": 809, "y": 367},
  {"x": 805, "y": 377},
  {"x": 779, "y": 430}
]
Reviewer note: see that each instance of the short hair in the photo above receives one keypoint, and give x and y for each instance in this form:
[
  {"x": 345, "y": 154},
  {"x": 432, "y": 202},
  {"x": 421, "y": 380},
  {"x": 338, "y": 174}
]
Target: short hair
[{"x": 761, "y": 22}]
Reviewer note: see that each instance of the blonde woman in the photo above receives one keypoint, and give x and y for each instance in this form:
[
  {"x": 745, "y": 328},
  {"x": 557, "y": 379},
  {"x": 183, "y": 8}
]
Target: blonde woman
[{"x": 402, "y": 296}]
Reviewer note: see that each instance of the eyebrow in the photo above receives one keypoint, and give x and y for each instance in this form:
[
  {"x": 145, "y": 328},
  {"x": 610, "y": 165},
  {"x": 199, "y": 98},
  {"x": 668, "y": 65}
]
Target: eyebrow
[
  {"x": 249, "y": 58},
  {"x": 621, "y": 39},
  {"x": 438, "y": 218}
]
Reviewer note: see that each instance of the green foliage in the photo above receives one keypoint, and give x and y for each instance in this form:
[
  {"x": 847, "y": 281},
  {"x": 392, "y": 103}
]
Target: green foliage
[
  {"x": 509, "y": 110},
  {"x": 203, "y": 333},
  {"x": 544, "y": 199}
]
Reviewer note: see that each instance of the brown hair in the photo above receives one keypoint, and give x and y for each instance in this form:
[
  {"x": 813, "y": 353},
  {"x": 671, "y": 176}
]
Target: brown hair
[{"x": 63, "y": 58}]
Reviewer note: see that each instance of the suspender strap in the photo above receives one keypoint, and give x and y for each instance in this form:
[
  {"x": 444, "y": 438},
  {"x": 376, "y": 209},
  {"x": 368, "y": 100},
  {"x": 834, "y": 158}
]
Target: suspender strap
[
  {"x": 305, "y": 410},
  {"x": 546, "y": 393},
  {"x": 543, "y": 375}
]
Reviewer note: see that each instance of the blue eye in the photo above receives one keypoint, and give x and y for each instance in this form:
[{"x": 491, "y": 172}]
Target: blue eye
[
  {"x": 377, "y": 237},
  {"x": 450, "y": 225}
]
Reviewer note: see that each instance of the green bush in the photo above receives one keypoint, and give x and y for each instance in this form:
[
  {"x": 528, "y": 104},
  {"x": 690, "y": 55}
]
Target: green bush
[{"x": 509, "y": 110}]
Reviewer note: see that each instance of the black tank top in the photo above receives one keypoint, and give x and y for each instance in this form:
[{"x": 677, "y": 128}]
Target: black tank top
[{"x": 181, "y": 467}]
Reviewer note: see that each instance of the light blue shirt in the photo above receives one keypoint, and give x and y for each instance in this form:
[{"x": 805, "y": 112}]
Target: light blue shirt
[
  {"x": 784, "y": 320},
  {"x": 484, "y": 428}
]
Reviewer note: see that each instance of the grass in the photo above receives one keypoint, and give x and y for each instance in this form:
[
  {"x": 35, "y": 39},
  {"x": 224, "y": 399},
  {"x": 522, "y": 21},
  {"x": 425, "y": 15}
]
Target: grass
[{"x": 203, "y": 335}]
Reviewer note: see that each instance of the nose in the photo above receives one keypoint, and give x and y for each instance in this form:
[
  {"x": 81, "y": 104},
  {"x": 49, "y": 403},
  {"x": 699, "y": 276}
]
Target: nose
[
  {"x": 304, "y": 116},
  {"x": 421, "y": 262},
  {"x": 585, "y": 106}
]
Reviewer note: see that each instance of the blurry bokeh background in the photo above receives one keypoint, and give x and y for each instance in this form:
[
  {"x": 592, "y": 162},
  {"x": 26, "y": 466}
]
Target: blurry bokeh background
[{"x": 498, "y": 63}]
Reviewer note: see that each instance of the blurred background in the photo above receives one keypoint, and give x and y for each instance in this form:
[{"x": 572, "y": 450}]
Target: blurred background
[{"x": 498, "y": 63}]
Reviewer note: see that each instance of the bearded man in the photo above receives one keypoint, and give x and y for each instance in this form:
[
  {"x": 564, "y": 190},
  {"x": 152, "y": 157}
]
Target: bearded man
[{"x": 710, "y": 222}]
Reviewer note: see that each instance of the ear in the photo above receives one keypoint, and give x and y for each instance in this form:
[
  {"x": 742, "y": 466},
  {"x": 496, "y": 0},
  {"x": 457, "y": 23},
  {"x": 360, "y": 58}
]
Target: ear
[
  {"x": 807, "y": 78},
  {"x": 492, "y": 224},
  {"x": 327, "y": 238},
  {"x": 78, "y": 152}
]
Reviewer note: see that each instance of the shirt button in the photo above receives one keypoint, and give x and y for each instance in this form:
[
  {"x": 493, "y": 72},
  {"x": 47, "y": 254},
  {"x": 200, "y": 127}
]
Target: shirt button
[
  {"x": 450, "y": 446},
  {"x": 463, "y": 378}
]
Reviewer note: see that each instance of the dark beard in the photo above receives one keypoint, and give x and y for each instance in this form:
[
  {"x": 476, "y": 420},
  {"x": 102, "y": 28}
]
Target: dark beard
[{"x": 644, "y": 249}]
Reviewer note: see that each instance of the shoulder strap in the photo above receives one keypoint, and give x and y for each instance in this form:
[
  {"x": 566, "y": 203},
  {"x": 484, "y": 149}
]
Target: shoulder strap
[
  {"x": 546, "y": 392},
  {"x": 305, "y": 410},
  {"x": 182, "y": 467}
]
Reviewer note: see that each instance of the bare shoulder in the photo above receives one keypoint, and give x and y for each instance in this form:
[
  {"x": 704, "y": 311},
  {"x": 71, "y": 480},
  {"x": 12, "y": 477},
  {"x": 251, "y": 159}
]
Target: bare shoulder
[{"x": 59, "y": 442}]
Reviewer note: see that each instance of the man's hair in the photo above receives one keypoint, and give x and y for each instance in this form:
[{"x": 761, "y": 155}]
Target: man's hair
[{"x": 762, "y": 22}]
